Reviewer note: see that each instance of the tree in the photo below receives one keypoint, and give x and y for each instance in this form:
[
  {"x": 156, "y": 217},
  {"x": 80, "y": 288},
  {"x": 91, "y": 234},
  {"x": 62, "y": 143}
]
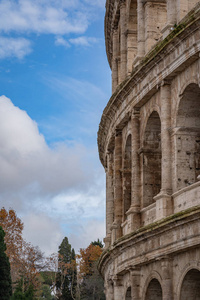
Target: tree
[
  {"x": 26, "y": 261},
  {"x": 13, "y": 228},
  {"x": 67, "y": 273},
  {"x": 5, "y": 278},
  {"x": 87, "y": 257},
  {"x": 50, "y": 275},
  {"x": 91, "y": 287},
  {"x": 21, "y": 294}
]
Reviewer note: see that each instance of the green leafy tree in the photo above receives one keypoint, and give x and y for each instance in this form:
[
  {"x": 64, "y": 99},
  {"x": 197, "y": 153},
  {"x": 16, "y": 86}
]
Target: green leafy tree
[
  {"x": 5, "y": 277},
  {"x": 67, "y": 273},
  {"x": 97, "y": 243},
  {"x": 21, "y": 294}
]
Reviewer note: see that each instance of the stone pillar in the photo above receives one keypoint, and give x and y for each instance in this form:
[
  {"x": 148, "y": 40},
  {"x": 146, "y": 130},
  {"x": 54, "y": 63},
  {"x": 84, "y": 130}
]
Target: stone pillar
[
  {"x": 115, "y": 60},
  {"x": 164, "y": 199},
  {"x": 123, "y": 44},
  {"x": 141, "y": 32},
  {"x": 109, "y": 290},
  {"x": 135, "y": 284},
  {"x": 131, "y": 49},
  {"x": 116, "y": 227},
  {"x": 133, "y": 214},
  {"x": 155, "y": 20},
  {"x": 109, "y": 199},
  {"x": 171, "y": 17},
  {"x": 118, "y": 288},
  {"x": 167, "y": 279}
]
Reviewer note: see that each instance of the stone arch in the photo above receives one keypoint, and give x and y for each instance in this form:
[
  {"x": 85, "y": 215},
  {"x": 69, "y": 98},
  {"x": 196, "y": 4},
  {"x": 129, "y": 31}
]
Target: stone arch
[
  {"x": 185, "y": 84},
  {"x": 128, "y": 294},
  {"x": 188, "y": 267},
  {"x": 151, "y": 159},
  {"x": 127, "y": 162},
  {"x": 154, "y": 290},
  {"x": 190, "y": 288},
  {"x": 132, "y": 34},
  {"x": 187, "y": 136},
  {"x": 155, "y": 108}
]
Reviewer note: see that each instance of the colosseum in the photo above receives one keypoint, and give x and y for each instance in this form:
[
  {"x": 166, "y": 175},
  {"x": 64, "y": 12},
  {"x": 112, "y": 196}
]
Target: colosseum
[{"x": 149, "y": 145}]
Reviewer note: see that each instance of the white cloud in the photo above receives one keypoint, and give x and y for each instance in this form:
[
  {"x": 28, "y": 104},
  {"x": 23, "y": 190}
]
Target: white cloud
[
  {"x": 14, "y": 47},
  {"x": 57, "y": 191},
  {"x": 89, "y": 231},
  {"x": 83, "y": 41},
  {"x": 60, "y": 41},
  {"x": 47, "y": 17},
  {"x": 25, "y": 157},
  {"x": 43, "y": 231}
]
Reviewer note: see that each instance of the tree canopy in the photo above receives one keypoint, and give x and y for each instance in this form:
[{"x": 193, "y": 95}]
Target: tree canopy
[{"x": 5, "y": 278}]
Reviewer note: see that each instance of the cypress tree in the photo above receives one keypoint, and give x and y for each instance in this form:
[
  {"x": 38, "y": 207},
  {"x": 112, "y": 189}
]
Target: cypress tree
[
  {"x": 67, "y": 285},
  {"x": 5, "y": 278}
]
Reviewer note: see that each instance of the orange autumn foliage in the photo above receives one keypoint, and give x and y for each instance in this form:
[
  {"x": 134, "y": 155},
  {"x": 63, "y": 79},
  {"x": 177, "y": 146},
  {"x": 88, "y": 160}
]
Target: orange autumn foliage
[
  {"x": 25, "y": 260},
  {"x": 13, "y": 227},
  {"x": 87, "y": 258}
]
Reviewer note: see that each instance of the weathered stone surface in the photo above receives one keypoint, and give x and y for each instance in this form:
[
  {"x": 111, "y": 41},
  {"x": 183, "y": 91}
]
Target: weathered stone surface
[{"x": 149, "y": 144}]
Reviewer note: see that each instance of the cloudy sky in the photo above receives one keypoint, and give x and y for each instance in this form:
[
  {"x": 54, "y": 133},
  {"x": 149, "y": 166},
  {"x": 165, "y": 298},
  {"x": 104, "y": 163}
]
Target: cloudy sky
[{"x": 54, "y": 84}]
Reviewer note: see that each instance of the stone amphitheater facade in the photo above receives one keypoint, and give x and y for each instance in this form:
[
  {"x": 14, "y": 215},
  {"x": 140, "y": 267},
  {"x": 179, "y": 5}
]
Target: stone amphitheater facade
[{"x": 149, "y": 145}]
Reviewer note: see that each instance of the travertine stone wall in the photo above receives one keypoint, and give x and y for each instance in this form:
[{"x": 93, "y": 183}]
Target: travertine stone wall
[{"x": 149, "y": 145}]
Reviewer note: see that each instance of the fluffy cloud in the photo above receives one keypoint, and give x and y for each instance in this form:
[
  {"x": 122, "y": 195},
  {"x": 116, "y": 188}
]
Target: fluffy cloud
[
  {"x": 42, "y": 230},
  {"x": 83, "y": 41},
  {"x": 56, "y": 17},
  {"x": 14, "y": 47},
  {"x": 25, "y": 157},
  {"x": 41, "y": 17},
  {"x": 60, "y": 41},
  {"x": 59, "y": 186}
]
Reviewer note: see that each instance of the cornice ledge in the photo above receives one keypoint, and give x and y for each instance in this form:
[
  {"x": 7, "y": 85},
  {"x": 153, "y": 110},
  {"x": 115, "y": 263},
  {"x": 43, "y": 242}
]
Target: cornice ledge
[{"x": 108, "y": 253}]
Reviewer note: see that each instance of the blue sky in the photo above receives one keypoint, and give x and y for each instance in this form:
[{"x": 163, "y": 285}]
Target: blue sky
[{"x": 55, "y": 82}]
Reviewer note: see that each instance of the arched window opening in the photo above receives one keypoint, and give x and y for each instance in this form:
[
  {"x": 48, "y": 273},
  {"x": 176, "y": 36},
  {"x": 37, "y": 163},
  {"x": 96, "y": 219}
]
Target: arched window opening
[
  {"x": 132, "y": 34},
  {"x": 127, "y": 177},
  {"x": 154, "y": 291},
  {"x": 128, "y": 294},
  {"x": 187, "y": 138},
  {"x": 151, "y": 159},
  {"x": 190, "y": 289}
]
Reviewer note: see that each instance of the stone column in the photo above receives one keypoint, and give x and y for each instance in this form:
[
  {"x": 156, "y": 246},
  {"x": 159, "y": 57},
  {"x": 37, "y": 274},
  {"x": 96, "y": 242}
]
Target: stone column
[
  {"x": 135, "y": 284},
  {"x": 164, "y": 200},
  {"x": 118, "y": 288},
  {"x": 167, "y": 279},
  {"x": 171, "y": 17},
  {"x": 123, "y": 44},
  {"x": 109, "y": 290},
  {"x": 116, "y": 227},
  {"x": 131, "y": 49},
  {"x": 141, "y": 31},
  {"x": 115, "y": 60},
  {"x": 133, "y": 213},
  {"x": 109, "y": 199},
  {"x": 155, "y": 20}
]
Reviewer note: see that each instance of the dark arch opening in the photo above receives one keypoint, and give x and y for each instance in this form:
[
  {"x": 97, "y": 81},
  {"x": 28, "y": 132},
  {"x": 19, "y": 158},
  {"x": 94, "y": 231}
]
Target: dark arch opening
[
  {"x": 128, "y": 294},
  {"x": 151, "y": 159},
  {"x": 190, "y": 289},
  {"x": 127, "y": 177},
  {"x": 187, "y": 138},
  {"x": 154, "y": 290}
]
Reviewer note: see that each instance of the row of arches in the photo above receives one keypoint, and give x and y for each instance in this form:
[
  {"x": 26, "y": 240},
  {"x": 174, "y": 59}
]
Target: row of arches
[
  {"x": 190, "y": 288},
  {"x": 138, "y": 26},
  {"x": 185, "y": 137}
]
